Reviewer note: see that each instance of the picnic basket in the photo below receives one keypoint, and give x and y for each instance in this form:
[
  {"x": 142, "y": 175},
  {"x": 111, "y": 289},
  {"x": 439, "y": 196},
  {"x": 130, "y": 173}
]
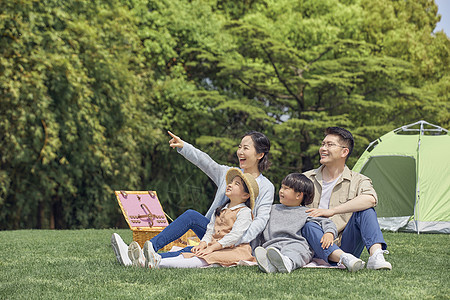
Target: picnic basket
[{"x": 146, "y": 218}]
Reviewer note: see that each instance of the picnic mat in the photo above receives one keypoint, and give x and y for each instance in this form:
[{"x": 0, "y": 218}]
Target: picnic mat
[{"x": 315, "y": 263}]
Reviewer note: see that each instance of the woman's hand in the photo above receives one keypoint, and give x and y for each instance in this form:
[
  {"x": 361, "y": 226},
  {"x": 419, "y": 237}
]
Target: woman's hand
[
  {"x": 327, "y": 240},
  {"x": 199, "y": 247},
  {"x": 175, "y": 142}
]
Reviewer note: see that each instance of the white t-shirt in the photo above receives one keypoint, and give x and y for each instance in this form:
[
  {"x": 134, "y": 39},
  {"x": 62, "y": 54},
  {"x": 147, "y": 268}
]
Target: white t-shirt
[{"x": 327, "y": 188}]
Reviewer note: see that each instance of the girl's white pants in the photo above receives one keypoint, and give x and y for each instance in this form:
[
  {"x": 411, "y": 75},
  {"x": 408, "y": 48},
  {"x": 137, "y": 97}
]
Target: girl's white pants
[{"x": 181, "y": 262}]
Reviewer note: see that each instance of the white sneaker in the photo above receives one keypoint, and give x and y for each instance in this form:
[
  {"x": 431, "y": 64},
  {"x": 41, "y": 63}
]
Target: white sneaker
[
  {"x": 377, "y": 261},
  {"x": 152, "y": 259},
  {"x": 263, "y": 262},
  {"x": 282, "y": 263},
  {"x": 351, "y": 262},
  {"x": 135, "y": 254},
  {"x": 120, "y": 250}
]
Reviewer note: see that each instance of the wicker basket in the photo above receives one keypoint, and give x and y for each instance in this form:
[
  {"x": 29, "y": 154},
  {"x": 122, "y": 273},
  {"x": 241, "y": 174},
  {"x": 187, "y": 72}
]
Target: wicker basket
[
  {"x": 142, "y": 210},
  {"x": 143, "y": 234}
]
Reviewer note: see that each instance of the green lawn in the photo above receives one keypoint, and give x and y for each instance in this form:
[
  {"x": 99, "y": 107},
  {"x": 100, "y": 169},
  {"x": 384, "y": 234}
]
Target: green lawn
[{"x": 44, "y": 264}]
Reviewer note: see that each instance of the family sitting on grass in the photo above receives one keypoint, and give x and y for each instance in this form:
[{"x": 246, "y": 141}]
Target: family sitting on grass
[{"x": 326, "y": 213}]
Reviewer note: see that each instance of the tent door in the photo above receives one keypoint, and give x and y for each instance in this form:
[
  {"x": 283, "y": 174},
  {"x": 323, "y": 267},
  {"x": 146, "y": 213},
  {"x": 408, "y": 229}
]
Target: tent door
[{"x": 394, "y": 179}]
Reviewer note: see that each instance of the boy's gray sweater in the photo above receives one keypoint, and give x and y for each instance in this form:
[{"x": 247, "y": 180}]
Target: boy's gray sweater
[{"x": 284, "y": 232}]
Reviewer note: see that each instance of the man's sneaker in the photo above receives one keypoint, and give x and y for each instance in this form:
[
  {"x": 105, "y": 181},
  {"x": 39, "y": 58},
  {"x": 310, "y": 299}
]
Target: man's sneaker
[
  {"x": 263, "y": 262},
  {"x": 152, "y": 259},
  {"x": 351, "y": 262},
  {"x": 120, "y": 250},
  {"x": 279, "y": 261},
  {"x": 377, "y": 261},
  {"x": 135, "y": 254}
]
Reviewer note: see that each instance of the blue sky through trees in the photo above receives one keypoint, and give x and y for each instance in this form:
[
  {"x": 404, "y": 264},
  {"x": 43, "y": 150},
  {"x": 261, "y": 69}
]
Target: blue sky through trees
[{"x": 444, "y": 11}]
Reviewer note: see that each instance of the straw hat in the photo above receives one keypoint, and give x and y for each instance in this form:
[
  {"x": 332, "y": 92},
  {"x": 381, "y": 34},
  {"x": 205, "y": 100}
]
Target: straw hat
[{"x": 249, "y": 180}]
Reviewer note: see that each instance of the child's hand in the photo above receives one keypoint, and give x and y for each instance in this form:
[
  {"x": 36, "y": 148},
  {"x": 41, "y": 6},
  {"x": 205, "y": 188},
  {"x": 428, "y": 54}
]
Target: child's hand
[
  {"x": 211, "y": 248},
  {"x": 327, "y": 240},
  {"x": 175, "y": 142},
  {"x": 199, "y": 247},
  {"x": 204, "y": 252}
]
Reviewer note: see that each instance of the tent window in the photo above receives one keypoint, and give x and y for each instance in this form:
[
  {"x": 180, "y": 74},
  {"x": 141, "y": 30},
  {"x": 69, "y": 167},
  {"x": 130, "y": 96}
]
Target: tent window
[{"x": 394, "y": 179}]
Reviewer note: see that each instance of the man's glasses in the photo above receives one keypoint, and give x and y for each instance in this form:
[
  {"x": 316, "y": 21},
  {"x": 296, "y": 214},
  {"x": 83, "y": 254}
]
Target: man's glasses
[{"x": 329, "y": 145}]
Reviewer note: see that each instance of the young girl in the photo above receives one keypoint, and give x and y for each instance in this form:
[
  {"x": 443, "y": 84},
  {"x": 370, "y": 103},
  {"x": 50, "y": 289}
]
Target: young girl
[
  {"x": 225, "y": 229},
  {"x": 252, "y": 153},
  {"x": 283, "y": 247}
]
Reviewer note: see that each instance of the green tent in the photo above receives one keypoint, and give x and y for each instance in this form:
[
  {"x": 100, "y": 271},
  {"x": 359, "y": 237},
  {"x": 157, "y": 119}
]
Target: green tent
[{"x": 410, "y": 170}]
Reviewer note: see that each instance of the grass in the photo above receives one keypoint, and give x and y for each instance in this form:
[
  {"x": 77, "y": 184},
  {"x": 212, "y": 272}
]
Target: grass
[{"x": 45, "y": 264}]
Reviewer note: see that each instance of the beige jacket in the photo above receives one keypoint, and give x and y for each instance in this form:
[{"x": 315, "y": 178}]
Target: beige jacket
[{"x": 348, "y": 186}]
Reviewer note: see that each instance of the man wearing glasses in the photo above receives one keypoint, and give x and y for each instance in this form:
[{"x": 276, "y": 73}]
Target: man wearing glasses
[{"x": 347, "y": 198}]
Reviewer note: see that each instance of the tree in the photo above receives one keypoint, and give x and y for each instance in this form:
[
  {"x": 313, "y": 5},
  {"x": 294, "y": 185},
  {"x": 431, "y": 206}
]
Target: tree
[
  {"x": 313, "y": 64},
  {"x": 89, "y": 89},
  {"x": 71, "y": 92}
]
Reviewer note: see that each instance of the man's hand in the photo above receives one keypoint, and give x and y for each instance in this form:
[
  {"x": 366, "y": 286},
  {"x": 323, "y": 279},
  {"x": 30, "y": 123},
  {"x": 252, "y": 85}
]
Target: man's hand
[{"x": 320, "y": 212}]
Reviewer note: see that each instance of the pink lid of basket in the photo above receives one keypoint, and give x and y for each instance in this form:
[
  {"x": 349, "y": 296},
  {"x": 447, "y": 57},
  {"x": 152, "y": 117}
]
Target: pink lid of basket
[{"x": 141, "y": 209}]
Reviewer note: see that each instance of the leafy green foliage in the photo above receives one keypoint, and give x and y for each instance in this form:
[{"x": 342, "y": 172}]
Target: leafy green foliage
[
  {"x": 313, "y": 64},
  {"x": 89, "y": 89},
  {"x": 70, "y": 92}
]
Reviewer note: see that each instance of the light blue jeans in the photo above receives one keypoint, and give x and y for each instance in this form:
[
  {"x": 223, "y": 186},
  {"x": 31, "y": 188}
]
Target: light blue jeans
[
  {"x": 190, "y": 219},
  {"x": 362, "y": 230}
]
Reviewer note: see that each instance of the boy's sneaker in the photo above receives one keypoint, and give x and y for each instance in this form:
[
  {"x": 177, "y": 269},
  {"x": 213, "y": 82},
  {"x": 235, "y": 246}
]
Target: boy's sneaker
[
  {"x": 120, "y": 250},
  {"x": 279, "y": 261},
  {"x": 351, "y": 262},
  {"x": 135, "y": 254},
  {"x": 377, "y": 261},
  {"x": 152, "y": 259},
  {"x": 263, "y": 262}
]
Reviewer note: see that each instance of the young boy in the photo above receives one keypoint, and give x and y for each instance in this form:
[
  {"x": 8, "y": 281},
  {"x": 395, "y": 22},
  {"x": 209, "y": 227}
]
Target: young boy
[{"x": 283, "y": 247}]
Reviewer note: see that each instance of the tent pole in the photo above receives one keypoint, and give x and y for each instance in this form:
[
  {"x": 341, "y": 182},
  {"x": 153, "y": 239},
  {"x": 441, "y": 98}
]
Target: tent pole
[{"x": 416, "y": 209}]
